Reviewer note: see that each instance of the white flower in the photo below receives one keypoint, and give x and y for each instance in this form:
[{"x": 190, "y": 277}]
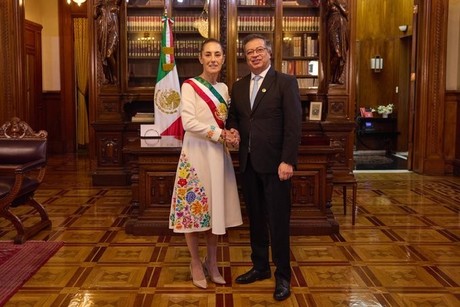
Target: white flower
[{"x": 388, "y": 109}]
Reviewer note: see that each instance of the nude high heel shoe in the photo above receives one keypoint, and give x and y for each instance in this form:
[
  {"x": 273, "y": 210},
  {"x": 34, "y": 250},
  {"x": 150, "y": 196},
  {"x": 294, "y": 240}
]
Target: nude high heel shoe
[
  {"x": 203, "y": 284},
  {"x": 217, "y": 279}
]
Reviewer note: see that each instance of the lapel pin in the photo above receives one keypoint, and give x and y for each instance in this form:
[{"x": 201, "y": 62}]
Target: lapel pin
[{"x": 264, "y": 90}]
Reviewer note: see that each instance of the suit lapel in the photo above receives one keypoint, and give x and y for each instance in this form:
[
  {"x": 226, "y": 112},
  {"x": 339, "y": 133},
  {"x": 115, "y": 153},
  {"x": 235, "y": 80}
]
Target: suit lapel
[{"x": 243, "y": 92}]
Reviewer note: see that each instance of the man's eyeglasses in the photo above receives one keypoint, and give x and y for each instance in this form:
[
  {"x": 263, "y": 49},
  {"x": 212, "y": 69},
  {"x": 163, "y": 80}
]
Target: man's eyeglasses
[{"x": 258, "y": 50}]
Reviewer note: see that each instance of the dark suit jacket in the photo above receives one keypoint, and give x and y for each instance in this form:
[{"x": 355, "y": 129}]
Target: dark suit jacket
[{"x": 274, "y": 124}]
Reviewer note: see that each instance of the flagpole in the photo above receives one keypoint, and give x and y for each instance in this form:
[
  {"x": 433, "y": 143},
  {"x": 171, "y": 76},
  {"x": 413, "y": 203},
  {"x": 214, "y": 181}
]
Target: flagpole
[{"x": 167, "y": 87}]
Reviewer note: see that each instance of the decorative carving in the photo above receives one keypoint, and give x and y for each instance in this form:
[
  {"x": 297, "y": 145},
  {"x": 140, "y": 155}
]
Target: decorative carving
[
  {"x": 338, "y": 37},
  {"x": 339, "y": 142},
  {"x": 7, "y": 98},
  {"x": 336, "y": 108},
  {"x": 435, "y": 100},
  {"x": 18, "y": 129},
  {"x": 109, "y": 154},
  {"x": 106, "y": 14},
  {"x": 110, "y": 107},
  {"x": 223, "y": 36}
]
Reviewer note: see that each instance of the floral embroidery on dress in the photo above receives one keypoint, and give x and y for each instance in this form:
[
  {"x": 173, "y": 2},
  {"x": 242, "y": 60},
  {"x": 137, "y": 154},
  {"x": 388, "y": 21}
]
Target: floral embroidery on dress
[
  {"x": 211, "y": 132},
  {"x": 190, "y": 203}
]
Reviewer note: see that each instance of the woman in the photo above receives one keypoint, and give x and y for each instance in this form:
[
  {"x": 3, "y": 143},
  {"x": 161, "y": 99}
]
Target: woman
[{"x": 205, "y": 197}]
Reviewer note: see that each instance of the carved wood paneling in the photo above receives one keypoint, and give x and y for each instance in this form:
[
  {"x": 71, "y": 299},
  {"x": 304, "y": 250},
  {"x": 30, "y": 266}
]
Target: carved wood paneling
[
  {"x": 455, "y": 96},
  {"x": 109, "y": 147},
  {"x": 223, "y": 35},
  {"x": 430, "y": 88},
  {"x": 109, "y": 109},
  {"x": 11, "y": 60},
  {"x": 452, "y": 132},
  {"x": 337, "y": 107},
  {"x": 51, "y": 112},
  {"x": 33, "y": 105}
]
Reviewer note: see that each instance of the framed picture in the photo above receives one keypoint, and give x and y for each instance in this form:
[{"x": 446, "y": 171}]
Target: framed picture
[
  {"x": 366, "y": 112},
  {"x": 315, "y": 110}
]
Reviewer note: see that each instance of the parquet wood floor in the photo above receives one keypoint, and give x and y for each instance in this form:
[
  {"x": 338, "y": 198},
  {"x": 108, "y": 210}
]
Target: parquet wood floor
[{"x": 403, "y": 251}]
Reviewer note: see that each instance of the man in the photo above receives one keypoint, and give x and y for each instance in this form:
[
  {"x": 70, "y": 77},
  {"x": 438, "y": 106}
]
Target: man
[{"x": 269, "y": 134}]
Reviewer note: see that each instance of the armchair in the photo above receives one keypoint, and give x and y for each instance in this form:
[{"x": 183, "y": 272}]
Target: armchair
[{"x": 22, "y": 169}]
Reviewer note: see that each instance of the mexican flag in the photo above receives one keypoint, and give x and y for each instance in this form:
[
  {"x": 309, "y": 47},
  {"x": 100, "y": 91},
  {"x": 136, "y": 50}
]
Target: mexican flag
[{"x": 167, "y": 88}]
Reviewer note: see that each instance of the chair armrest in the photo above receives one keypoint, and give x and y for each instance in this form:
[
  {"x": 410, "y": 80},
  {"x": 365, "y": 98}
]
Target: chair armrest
[
  {"x": 29, "y": 166},
  {"x": 22, "y": 168}
]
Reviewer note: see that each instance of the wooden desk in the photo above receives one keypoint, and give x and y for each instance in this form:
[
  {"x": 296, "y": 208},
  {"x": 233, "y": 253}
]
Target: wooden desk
[{"x": 153, "y": 169}]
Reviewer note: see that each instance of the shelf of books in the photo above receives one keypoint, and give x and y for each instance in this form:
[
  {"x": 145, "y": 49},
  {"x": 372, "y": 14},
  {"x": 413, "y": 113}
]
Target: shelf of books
[
  {"x": 143, "y": 40},
  {"x": 190, "y": 18},
  {"x": 253, "y": 16},
  {"x": 300, "y": 42}
]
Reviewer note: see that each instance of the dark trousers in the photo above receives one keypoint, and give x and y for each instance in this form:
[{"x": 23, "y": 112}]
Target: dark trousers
[{"x": 268, "y": 205}]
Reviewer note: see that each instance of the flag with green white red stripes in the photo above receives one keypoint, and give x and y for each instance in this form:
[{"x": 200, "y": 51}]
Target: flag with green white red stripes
[{"x": 167, "y": 88}]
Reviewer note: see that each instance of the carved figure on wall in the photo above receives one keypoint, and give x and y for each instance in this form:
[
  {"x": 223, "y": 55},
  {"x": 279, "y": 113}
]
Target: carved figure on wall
[
  {"x": 338, "y": 36},
  {"x": 106, "y": 13}
]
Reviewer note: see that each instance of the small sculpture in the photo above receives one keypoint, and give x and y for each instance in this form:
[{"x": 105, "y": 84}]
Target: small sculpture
[
  {"x": 337, "y": 31},
  {"x": 107, "y": 22}
]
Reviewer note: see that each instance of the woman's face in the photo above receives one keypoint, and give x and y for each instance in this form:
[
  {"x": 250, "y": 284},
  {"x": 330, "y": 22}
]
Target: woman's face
[{"x": 212, "y": 57}]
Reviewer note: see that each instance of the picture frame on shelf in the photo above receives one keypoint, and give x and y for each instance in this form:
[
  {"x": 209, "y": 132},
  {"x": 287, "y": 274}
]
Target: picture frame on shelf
[
  {"x": 366, "y": 112},
  {"x": 316, "y": 108}
]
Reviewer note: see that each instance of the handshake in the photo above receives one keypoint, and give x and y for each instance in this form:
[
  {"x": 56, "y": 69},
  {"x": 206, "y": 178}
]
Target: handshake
[{"x": 231, "y": 137}]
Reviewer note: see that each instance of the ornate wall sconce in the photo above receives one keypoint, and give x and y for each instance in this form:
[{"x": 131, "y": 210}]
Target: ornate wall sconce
[{"x": 377, "y": 63}]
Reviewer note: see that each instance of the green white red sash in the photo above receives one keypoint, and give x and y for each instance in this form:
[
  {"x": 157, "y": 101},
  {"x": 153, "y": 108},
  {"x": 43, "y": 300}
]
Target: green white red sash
[{"x": 212, "y": 97}]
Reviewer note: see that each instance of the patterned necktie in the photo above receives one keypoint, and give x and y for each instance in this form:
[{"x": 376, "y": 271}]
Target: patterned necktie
[{"x": 255, "y": 89}]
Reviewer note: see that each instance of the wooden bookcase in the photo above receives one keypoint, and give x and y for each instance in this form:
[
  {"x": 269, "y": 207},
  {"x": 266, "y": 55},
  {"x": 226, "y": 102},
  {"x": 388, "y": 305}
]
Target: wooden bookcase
[
  {"x": 137, "y": 60},
  {"x": 141, "y": 29},
  {"x": 298, "y": 31},
  {"x": 298, "y": 34},
  {"x": 142, "y": 43},
  {"x": 294, "y": 29}
]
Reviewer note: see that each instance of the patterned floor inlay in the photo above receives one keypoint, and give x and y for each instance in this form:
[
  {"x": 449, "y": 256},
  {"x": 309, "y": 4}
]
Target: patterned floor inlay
[{"x": 404, "y": 250}]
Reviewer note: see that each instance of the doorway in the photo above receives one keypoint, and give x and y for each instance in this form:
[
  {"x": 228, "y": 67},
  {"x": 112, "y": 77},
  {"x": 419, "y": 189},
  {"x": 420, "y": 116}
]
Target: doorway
[{"x": 383, "y": 143}]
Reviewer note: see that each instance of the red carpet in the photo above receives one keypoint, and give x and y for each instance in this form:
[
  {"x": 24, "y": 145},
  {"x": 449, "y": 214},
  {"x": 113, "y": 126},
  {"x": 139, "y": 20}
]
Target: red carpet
[{"x": 18, "y": 262}]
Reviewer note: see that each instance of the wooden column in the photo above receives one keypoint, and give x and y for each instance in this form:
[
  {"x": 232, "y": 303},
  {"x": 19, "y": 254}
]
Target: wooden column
[
  {"x": 430, "y": 86},
  {"x": 453, "y": 136},
  {"x": 12, "y": 82}
]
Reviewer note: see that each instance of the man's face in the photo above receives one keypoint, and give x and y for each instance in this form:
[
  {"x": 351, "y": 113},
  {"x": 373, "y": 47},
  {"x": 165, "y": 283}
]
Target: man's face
[{"x": 257, "y": 55}]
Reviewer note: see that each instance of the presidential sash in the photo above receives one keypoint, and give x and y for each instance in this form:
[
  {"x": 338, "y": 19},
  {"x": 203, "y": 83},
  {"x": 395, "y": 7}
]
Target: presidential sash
[{"x": 212, "y": 97}]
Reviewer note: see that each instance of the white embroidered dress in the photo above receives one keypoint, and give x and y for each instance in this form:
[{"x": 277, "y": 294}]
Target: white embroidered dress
[{"x": 205, "y": 195}]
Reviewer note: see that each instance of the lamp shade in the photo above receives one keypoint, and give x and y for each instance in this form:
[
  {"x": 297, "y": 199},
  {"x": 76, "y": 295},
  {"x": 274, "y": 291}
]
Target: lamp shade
[{"x": 79, "y": 2}]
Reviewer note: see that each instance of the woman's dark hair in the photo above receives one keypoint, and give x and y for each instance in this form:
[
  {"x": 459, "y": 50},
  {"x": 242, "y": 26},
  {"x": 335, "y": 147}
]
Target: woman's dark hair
[{"x": 210, "y": 40}]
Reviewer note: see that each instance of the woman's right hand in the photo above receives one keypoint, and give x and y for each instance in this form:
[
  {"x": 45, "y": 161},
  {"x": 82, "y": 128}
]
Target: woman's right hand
[{"x": 232, "y": 137}]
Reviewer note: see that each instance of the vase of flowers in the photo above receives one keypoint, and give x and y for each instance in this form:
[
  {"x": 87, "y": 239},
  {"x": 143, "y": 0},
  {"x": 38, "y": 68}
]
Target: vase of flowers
[{"x": 385, "y": 110}]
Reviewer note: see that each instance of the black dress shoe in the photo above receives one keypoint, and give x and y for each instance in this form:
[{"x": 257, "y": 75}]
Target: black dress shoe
[
  {"x": 282, "y": 290},
  {"x": 252, "y": 276}
]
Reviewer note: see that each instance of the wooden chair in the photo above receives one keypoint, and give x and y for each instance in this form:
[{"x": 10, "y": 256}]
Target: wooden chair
[
  {"x": 22, "y": 169},
  {"x": 347, "y": 181}
]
